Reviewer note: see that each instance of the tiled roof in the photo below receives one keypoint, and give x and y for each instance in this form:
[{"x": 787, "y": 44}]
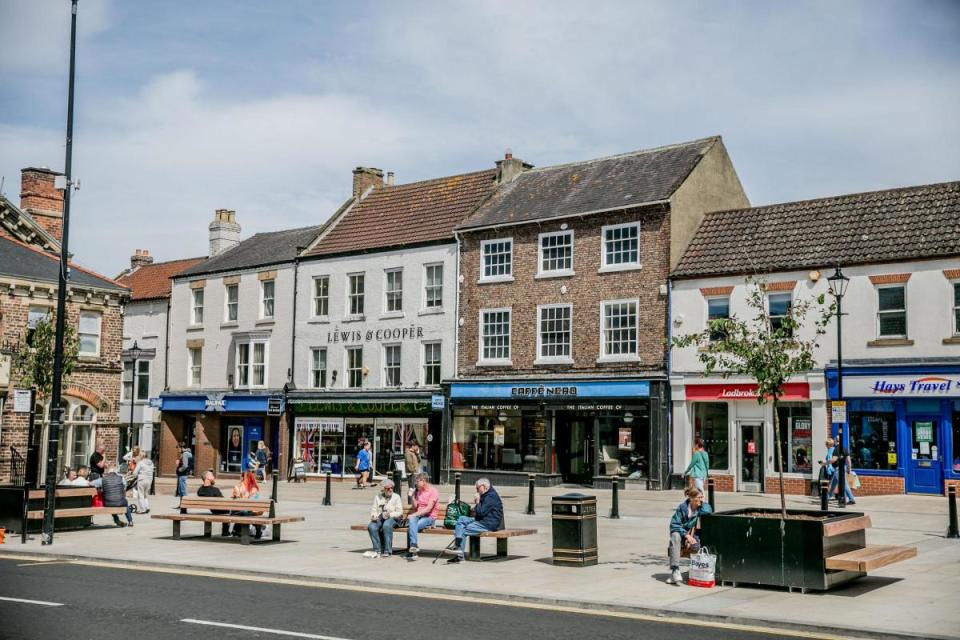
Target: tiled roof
[
  {"x": 861, "y": 228},
  {"x": 259, "y": 250},
  {"x": 413, "y": 213},
  {"x": 152, "y": 281},
  {"x": 22, "y": 261},
  {"x": 625, "y": 180}
]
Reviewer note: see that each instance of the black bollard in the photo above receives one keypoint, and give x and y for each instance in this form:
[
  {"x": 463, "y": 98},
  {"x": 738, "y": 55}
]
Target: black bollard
[
  {"x": 615, "y": 509},
  {"x": 710, "y": 497},
  {"x": 824, "y": 495},
  {"x": 532, "y": 479},
  {"x": 953, "y": 530},
  {"x": 273, "y": 494},
  {"x": 397, "y": 481},
  {"x": 456, "y": 484},
  {"x": 327, "y": 502}
]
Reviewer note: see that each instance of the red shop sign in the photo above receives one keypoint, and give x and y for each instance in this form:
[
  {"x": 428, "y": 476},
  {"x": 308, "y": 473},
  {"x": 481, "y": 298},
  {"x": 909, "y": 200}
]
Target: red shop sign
[{"x": 791, "y": 391}]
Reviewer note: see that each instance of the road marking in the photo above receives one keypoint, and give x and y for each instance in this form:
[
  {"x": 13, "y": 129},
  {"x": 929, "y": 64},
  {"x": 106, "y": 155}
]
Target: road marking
[
  {"x": 278, "y": 632},
  {"x": 40, "y": 602},
  {"x": 33, "y": 564},
  {"x": 671, "y": 617}
]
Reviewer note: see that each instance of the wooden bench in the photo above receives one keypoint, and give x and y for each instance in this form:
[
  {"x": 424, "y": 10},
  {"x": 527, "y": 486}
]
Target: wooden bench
[
  {"x": 866, "y": 558},
  {"x": 71, "y": 495},
  {"x": 502, "y": 536},
  {"x": 261, "y": 513}
]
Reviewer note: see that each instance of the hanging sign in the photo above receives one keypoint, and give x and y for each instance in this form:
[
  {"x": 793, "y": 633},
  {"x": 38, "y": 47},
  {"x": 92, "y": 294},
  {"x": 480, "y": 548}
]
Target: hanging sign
[
  {"x": 437, "y": 401},
  {"x": 274, "y": 406},
  {"x": 21, "y": 401}
]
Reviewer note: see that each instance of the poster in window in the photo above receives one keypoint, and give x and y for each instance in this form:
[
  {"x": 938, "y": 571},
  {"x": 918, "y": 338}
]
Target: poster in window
[
  {"x": 625, "y": 439},
  {"x": 498, "y": 435},
  {"x": 235, "y": 449},
  {"x": 924, "y": 431},
  {"x": 801, "y": 443}
]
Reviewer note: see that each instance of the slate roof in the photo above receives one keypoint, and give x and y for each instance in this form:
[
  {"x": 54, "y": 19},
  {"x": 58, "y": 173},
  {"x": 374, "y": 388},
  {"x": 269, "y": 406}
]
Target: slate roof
[
  {"x": 862, "y": 228},
  {"x": 152, "y": 281},
  {"x": 614, "y": 182},
  {"x": 259, "y": 250},
  {"x": 19, "y": 260},
  {"x": 403, "y": 214}
]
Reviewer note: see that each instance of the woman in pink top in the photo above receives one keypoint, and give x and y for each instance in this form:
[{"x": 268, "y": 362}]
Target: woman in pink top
[{"x": 426, "y": 502}]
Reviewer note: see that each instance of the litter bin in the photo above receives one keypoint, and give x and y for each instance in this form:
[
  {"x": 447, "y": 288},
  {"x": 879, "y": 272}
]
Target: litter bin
[{"x": 575, "y": 530}]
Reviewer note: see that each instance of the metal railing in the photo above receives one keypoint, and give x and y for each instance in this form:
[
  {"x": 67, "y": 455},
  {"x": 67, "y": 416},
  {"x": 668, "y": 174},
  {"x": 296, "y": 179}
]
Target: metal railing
[{"x": 18, "y": 468}]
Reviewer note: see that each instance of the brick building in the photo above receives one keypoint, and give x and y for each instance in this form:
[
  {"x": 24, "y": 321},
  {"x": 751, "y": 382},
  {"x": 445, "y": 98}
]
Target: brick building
[
  {"x": 562, "y": 331},
  {"x": 29, "y": 261}
]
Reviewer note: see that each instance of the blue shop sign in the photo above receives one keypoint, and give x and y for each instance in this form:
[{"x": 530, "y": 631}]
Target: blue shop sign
[
  {"x": 219, "y": 404},
  {"x": 551, "y": 390}
]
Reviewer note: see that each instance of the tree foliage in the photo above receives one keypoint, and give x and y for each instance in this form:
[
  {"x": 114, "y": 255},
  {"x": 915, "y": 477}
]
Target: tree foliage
[
  {"x": 34, "y": 362},
  {"x": 768, "y": 350}
]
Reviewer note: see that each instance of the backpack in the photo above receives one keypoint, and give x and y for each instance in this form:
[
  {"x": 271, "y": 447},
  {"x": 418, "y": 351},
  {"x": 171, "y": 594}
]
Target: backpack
[{"x": 454, "y": 511}]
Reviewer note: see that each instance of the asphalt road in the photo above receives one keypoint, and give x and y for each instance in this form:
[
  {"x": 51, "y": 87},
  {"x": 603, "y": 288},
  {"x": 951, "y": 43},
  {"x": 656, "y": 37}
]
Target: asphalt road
[{"x": 78, "y": 602}]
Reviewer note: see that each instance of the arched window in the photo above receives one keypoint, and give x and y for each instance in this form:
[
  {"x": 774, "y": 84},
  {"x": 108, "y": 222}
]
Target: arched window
[{"x": 77, "y": 437}]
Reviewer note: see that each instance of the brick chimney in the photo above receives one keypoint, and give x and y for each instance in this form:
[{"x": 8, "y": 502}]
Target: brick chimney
[
  {"x": 140, "y": 257},
  {"x": 224, "y": 231},
  {"x": 41, "y": 200},
  {"x": 509, "y": 168},
  {"x": 364, "y": 178}
]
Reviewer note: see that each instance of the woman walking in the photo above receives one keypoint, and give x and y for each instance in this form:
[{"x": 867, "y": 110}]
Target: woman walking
[
  {"x": 263, "y": 459},
  {"x": 143, "y": 472},
  {"x": 699, "y": 465}
]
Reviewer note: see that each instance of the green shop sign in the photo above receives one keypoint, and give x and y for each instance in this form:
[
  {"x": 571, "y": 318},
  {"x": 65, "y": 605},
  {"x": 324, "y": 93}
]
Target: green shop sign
[{"x": 362, "y": 408}]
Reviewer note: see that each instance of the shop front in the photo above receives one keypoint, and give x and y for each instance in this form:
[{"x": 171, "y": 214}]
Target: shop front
[
  {"x": 223, "y": 430},
  {"x": 330, "y": 429},
  {"x": 579, "y": 432},
  {"x": 739, "y": 437},
  {"x": 902, "y": 426}
]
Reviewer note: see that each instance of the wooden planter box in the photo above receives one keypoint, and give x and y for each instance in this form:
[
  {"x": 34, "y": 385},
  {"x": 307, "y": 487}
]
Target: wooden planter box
[{"x": 754, "y": 549}]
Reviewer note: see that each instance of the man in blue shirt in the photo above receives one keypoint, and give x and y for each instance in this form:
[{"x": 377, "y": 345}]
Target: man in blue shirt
[{"x": 489, "y": 515}]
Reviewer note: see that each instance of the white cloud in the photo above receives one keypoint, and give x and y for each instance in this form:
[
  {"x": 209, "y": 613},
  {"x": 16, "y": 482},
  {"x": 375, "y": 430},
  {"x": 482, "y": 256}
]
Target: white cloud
[{"x": 35, "y": 34}]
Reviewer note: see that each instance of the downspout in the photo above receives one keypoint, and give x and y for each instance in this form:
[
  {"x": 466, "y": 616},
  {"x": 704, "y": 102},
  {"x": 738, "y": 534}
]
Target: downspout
[
  {"x": 293, "y": 357},
  {"x": 669, "y": 398},
  {"x": 166, "y": 347}
]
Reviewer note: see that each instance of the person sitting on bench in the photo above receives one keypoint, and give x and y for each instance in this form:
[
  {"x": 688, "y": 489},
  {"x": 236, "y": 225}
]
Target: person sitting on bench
[
  {"x": 426, "y": 505},
  {"x": 684, "y": 528},
  {"x": 247, "y": 489},
  {"x": 114, "y": 494},
  {"x": 386, "y": 511},
  {"x": 210, "y": 490},
  {"x": 68, "y": 478},
  {"x": 488, "y": 510}
]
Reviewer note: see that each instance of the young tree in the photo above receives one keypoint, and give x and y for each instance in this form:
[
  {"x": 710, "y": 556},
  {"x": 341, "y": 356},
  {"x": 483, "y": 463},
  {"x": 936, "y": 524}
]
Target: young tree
[
  {"x": 33, "y": 364},
  {"x": 769, "y": 350}
]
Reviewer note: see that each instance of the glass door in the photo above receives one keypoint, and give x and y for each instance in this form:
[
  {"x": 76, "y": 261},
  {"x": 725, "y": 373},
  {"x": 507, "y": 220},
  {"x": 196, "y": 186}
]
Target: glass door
[
  {"x": 925, "y": 465},
  {"x": 751, "y": 456},
  {"x": 575, "y": 448}
]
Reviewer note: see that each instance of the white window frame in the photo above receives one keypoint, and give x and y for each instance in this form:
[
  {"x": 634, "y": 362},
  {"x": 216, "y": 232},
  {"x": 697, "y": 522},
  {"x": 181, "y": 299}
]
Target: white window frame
[
  {"x": 624, "y": 266},
  {"x": 496, "y": 361},
  {"x": 226, "y": 302},
  {"x": 619, "y": 357},
  {"x": 251, "y": 364},
  {"x": 347, "y": 369},
  {"x": 193, "y": 355},
  {"x": 399, "y": 367},
  {"x": 506, "y": 277},
  {"x": 348, "y": 311},
  {"x": 387, "y": 311},
  {"x": 263, "y": 299},
  {"x": 426, "y": 306},
  {"x": 424, "y": 364},
  {"x": 706, "y": 302},
  {"x": 778, "y": 293},
  {"x": 317, "y": 298},
  {"x": 195, "y": 308},
  {"x": 314, "y": 352},
  {"x": 906, "y": 323},
  {"x": 542, "y": 359},
  {"x": 133, "y": 382},
  {"x": 954, "y": 308},
  {"x": 554, "y": 273},
  {"x": 98, "y": 334}
]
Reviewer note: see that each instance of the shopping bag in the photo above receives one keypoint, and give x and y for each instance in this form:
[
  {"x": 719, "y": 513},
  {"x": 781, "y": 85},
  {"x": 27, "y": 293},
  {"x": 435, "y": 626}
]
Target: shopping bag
[
  {"x": 703, "y": 567},
  {"x": 853, "y": 480},
  {"x": 97, "y": 500}
]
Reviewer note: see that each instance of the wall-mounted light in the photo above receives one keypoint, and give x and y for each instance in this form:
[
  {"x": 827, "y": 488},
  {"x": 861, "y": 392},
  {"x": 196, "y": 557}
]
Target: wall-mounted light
[
  {"x": 628, "y": 417},
  {"x": 502, "y": 416}
]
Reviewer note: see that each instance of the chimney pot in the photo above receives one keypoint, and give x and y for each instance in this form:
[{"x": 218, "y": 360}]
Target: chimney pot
[
  {"x": 140, "y": 258},
  {"x": 508, "y": 155},
  {"x": 389, "y": 178}
]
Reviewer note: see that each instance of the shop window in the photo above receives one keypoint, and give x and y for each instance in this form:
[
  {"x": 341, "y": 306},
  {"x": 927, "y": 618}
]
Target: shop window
[
  {"x": 267, "y": 294},
  {"x": 431, "y": 363},
  {"x": 873, "y": 434},
  {"x": 492, "y": 440},
  {"x": 321, "y": 296},
  {"x": 89, "y": 333},
  {"x": 621, "y": 246},
  {"x": 196, "y": 316},
  {"x": 711, "y": 422},
  {"x": 556, "y": 253},
  {"x": 497, "y": 259},
  {"x": 358, "y": 431},
  {"x": 393, "y": 291},
  {"x": 318, "y": 367},
  {"x": 624, "y": 442},
  {"x": 717, "y": 309},
  {"x": 355, "y": 367},
  {"x": 796, "y": 437},
  {"x": 433, "y": 286},
  {"x": 232, "y": 297},
  {"x": 955, "y": 463},
  {"x": 306, "y": 443},
  {"x": 495, "y": 335},
  {"x": 779, "y": 309},
  {"x": 555, "y": 331},
  {"x": 355, "y": 282},
  {"x": 142, "y": 380},
  {"x": 892, "y": 312},
  {"x": 232, "y": 451},
  {"x": 391, "y": 365},
  {"x": 619, "y": 329}
]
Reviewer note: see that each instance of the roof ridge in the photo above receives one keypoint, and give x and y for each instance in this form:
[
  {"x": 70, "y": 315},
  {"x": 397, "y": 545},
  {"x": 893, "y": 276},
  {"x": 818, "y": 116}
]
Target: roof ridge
[
  {"x": 422, "y": 182},
  {"x": 626, "y": 154},
  {"x": 838, "y": 197}
]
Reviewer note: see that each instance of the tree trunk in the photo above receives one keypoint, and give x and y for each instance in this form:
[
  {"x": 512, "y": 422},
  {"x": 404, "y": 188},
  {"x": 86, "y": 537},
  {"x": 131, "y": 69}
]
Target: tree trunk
[{"x": 776, "y": 443}]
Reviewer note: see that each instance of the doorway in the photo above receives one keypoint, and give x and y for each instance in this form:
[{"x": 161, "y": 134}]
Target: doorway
[
  {"x": 925, "y": 465},
  {"x": 575, "y": 448},
  {"x": 751, "y": 456}
]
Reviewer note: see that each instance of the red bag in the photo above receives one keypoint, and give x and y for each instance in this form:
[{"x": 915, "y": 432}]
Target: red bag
[{"x": 97, "y": 500}]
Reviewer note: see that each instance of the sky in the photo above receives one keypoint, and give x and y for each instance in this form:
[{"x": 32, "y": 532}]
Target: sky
[{"x": 184, "y": 107}]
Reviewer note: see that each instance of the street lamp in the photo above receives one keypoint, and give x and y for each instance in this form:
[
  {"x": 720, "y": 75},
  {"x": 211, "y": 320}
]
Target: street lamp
[
  {"x": 838, "y": 288},
  {"x": 133, "y": 352}
]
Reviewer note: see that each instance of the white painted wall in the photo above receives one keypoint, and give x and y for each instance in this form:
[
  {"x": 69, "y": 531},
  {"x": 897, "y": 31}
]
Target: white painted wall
[
  {"x": 428, "y": 325},
  {"x": 146, "y": 324}
]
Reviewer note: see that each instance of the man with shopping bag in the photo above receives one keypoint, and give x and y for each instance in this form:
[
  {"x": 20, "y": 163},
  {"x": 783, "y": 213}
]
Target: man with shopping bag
[{"x": 685, "y": 530}]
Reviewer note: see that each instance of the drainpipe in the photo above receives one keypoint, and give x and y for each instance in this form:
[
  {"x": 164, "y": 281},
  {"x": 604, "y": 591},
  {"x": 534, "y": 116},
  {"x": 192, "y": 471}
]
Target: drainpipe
[
  {"x": 669, "y": 389},
  {"x": 293, "y": 356}
]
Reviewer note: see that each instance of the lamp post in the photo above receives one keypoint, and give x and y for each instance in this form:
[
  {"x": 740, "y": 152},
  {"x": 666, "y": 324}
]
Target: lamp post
[
  {"x": 838, "y": 288},
  {"x": 133, "y": 352}
]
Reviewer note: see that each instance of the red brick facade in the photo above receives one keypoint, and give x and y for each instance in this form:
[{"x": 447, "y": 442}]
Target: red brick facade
[
  {"x": 584, "y": 291},
  {"x": 41, "y": 200}
]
